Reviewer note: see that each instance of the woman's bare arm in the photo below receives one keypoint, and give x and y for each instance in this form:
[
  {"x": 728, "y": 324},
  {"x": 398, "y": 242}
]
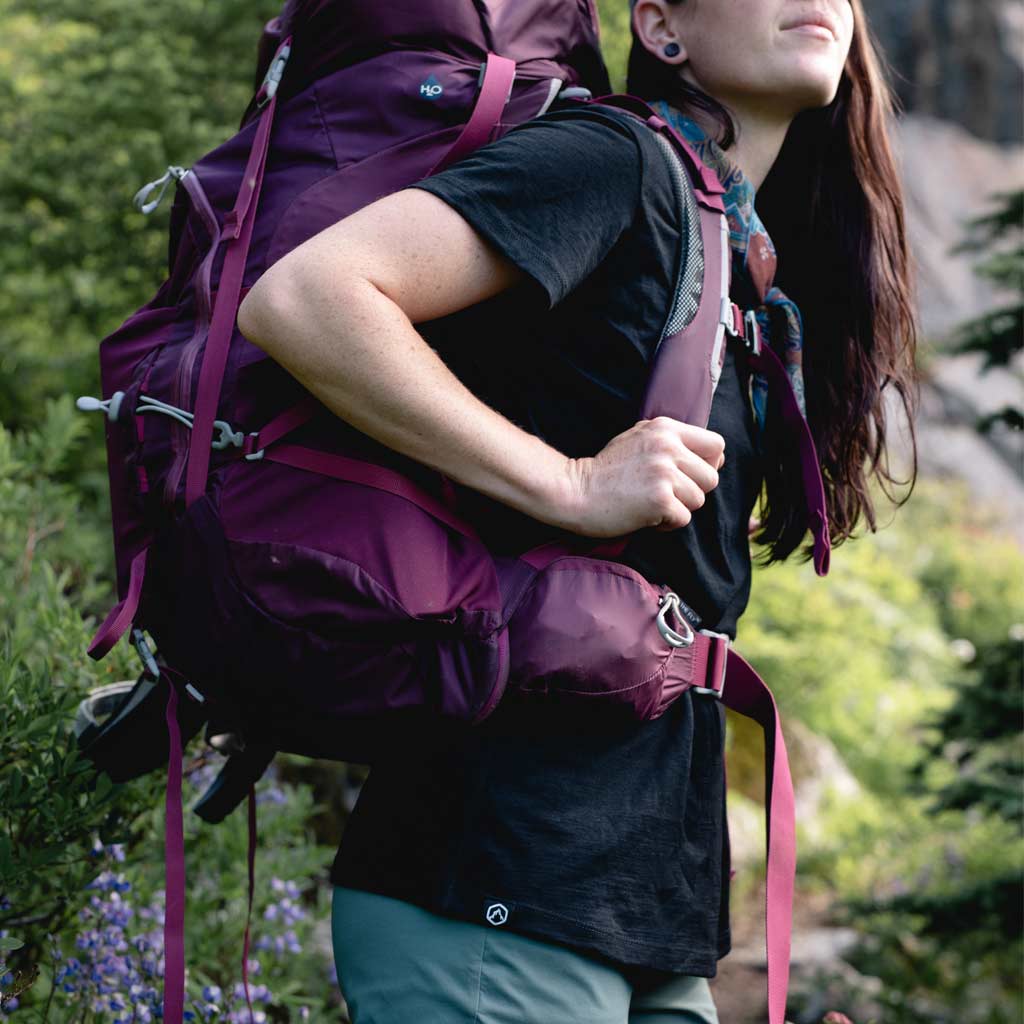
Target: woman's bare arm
[{"x": 338, "y": 313}]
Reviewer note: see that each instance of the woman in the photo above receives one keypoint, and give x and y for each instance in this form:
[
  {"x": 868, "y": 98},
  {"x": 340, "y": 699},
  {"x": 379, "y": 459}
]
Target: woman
[{"x": 537, "y": 871}]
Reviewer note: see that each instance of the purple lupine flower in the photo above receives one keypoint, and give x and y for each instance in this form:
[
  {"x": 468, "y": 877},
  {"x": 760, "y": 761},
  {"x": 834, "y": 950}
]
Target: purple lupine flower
[
  {"x": 272, "y": 795},
  {"x": 119, "y": 965}
]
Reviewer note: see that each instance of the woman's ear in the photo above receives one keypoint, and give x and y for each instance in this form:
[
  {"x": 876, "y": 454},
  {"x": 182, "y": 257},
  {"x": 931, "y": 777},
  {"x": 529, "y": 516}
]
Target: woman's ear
[{"x": 653, "y": 26}]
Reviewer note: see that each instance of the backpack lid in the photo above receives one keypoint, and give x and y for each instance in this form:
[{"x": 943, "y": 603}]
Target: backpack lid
[{"x": 546, "y": 38}]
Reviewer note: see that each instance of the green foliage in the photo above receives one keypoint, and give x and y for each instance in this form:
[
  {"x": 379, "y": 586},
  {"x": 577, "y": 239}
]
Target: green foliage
[
  {"x": 615, "y": 39},
  {"x": 96, "y": 98},
  {"x": 109, "y": 963},
  {"x": 980, "y": 737},
  {"x": 909, "y": 659},
  {"x": 858, "y": 657},
  {"x": 966, "y": 923},
  {"x": 998, "y": 239},
  {"x": 52, "y": 804}
]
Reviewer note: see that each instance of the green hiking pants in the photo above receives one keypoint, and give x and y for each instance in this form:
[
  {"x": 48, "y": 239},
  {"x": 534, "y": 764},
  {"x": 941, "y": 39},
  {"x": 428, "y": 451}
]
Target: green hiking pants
[{"x": 400, "y": 964}]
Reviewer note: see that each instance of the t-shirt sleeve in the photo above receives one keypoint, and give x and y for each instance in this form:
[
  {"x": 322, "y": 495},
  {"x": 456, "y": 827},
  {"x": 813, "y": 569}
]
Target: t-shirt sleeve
[{"x": 552, "y": 196}]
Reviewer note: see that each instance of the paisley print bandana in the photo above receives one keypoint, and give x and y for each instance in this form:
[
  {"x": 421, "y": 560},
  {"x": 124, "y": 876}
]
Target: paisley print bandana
[{"x": 753, "y": 259}]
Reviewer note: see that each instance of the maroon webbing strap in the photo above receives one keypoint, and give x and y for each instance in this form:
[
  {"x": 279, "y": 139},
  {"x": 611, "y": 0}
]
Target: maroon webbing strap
[
  {"x": 498, "y": 75},
  {"x": 251, "y": 860},
  {"x": 174, "y": 882},
  {"x": 340, "y": 467},
  {"x": 768, "y": 364},
  {"x": 238, "y": 227},
  {"x": 281, "y": 425},
  {"x": 746, "y": 693},
  {"x": 122, "y": 614}
]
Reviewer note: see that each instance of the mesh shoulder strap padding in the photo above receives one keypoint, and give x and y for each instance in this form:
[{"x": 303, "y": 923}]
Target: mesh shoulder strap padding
[{"x": 690, "y": 277}]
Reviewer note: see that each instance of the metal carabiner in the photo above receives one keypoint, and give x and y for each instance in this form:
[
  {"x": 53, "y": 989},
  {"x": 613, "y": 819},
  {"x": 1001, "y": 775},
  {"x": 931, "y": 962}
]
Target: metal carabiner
[{"x": 670, "y": 602}]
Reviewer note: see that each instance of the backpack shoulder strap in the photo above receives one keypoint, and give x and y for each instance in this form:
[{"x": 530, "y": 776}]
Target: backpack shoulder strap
[{"x": 707, "y": 187}]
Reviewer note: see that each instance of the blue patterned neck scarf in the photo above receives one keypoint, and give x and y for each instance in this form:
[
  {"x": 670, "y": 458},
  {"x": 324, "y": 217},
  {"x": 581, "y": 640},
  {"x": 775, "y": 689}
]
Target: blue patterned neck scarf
[{"x": 753, "y": 260}]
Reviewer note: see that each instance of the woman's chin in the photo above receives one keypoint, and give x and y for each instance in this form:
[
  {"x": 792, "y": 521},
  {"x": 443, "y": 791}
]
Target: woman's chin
[{"x": 812, "y": 92}]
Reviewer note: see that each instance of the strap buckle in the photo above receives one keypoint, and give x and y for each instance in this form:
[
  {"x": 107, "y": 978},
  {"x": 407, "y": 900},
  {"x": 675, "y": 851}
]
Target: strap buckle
[
  {"x": 718, "y": 659},
  {"x": 149, "y": 662},
  {"x": 741, "y": 325},
  {"x": 752, "y": 333},
  {"x": 251, "y": 450},
  {"x": 272, "y": 79}
]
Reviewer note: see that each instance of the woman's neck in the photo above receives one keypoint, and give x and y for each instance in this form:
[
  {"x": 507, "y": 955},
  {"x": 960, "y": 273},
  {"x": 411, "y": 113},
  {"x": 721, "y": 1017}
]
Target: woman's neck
[{"x": 759, "y": 140}]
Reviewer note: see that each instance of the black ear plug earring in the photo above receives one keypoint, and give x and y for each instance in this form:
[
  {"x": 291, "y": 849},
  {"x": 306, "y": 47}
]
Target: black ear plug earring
[{"x": 672, "y": 50}]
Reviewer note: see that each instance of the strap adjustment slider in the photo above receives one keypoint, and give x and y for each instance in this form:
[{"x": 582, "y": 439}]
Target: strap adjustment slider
[{"x": 718, "y": 659}]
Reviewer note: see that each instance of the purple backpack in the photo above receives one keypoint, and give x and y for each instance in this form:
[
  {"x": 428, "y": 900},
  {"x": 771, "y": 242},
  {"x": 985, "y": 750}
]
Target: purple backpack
[{"x": 306, "y": 586}]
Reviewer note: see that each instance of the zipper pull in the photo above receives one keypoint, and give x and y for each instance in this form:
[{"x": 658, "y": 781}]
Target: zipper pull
[{"x": 144, "y": 193}]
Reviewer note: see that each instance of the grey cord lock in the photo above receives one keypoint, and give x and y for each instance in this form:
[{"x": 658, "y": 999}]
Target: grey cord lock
[{"x": 226, "y": 437}]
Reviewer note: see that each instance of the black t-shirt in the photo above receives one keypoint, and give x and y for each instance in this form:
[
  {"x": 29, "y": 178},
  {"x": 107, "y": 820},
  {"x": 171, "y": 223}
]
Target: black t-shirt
[{"x": 607, "y": 836}]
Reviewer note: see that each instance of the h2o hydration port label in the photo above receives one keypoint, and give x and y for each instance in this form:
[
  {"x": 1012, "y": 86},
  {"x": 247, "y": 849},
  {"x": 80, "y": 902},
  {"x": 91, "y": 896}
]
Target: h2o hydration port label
[{"x": 431, "y": 88}]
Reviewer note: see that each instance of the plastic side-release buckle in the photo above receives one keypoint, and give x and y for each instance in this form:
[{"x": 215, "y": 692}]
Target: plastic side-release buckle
[
  {"x": 718, "y": 658},
  {"x": 145, "y": 652},
  {"x": 730, "y": 318},
  {"x": 274, "y": 74},
  {"x": 741, "y": 325},
  {"x": 752, "y": 332}
]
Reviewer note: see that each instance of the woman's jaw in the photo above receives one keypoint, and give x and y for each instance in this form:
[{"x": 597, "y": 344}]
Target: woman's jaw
[{"x": 766, "y": 61}]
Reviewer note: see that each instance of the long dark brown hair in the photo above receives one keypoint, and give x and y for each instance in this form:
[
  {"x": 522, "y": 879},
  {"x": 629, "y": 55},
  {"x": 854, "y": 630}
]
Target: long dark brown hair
[{"x": 833, "y": 205}]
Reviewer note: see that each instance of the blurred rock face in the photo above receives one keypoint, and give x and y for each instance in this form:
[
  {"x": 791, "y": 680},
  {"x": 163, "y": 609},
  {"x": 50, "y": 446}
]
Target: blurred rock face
[
  {"x": 949, "y": 177},
  {"x": 961, "y": 60}
]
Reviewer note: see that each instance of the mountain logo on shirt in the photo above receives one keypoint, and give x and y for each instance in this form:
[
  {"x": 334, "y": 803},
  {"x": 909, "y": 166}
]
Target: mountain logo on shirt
[
  {"x": 431, "y": 88},
  {"x": 497, "y": 914}
]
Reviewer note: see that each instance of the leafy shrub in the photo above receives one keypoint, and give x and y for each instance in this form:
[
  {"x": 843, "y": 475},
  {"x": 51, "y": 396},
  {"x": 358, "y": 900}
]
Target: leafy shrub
[
  {"x": 52, "y": 803},
  {"x": 910, "y": 660},
  {"x": 111, "y": 970},
  {"x": 96, "y": 98},
  {"x": 67, "y": 827}
]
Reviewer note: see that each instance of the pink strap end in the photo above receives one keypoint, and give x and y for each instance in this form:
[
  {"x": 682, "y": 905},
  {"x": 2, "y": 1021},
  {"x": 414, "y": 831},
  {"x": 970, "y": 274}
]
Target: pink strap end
[
  {"x": 174, "y": 910},
  {"x": 746, "y": 693},
  {"x": 822, "y": 550},
  {"x": 251, "y": 863},
  {"x": 121, "y": 616}
]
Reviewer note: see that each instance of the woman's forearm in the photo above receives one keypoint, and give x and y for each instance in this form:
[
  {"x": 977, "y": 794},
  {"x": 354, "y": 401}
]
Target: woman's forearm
[{"x": 360, "y": 355}]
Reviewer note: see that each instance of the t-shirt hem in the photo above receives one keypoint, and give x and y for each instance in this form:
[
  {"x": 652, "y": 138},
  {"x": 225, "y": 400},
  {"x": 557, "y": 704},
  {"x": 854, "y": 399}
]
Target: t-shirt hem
[{"x": 620, "y": 950}]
